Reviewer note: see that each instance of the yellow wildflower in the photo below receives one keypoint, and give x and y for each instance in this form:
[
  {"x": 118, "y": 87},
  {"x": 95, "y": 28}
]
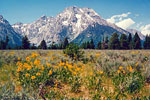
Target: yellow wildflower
[
  {"x": 27, "y": 59},
  {"x": 120, "y": 67},
  {"x": 56, "y": 66},
  {"x": 19, "y": 69},
  {"x": 97, "y": 54},
  {"x": 136, "y": 64},
  {"x": 27, "y": 75},
  {"x": 48, "y": 64},
  {"x": 91, "y": 73},
  {"x": 29, "y": 67},
  {"x": 33, "y": 77},
  {"x": 77, "y": 69},
  {"x": 17, "y": 74},
  {"x": 42, "y": 67},
  {"x": 38, "y": 74},
  {"x": 123, "y": 71},
  {"x": 130, "y": 68},
  {"x": 34, "y": 55},
  {"x": 101, "y": 72},
  {"x": 12, "y": 53},
  {"x": 118, "y": 71},
  {"x": 19, "y": 58},
  {"x": 75, "y": 73},
  {"x": 50, "y": 72},
  {"x": 65, "y": 67},
  {"x": 37, "y": 62}
]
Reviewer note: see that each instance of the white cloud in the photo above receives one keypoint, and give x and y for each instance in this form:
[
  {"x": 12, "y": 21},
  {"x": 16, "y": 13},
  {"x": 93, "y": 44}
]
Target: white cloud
[
  {"x": 126, "y": 23},
  {"x": 145, "y": 29},
  {"x": 116, "y": 17},
  {"x": 121, "y": 20}
]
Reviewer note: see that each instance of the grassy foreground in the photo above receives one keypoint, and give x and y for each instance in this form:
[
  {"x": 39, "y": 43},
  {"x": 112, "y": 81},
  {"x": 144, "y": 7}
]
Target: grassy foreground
[{"x": 51, "y": 75}]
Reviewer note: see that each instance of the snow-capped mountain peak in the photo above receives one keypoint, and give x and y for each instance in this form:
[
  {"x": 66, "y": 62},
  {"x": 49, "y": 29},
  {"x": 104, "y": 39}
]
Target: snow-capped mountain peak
[{"x": 71, "y": 23}]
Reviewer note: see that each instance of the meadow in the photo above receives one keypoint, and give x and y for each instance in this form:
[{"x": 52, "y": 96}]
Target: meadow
[{"x": 53, "y": 75}]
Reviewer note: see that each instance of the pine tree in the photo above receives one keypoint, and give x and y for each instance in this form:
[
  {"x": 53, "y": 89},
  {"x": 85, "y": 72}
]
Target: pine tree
[
  {"x": 136, "y": 41},
  {"x": 123, "y": 42},
  {"x": 25, "y": 43},
  {"x": 105, "y": 43},
  {"x": 88, "y": 45},
  {"x": 43, "y": 45},
  {"x": 66, "y": 42},
  {"x": 99, "y": 45},
  {"x": 92, "y": 46},
  {"x": 53, "y": 46},
  {"x": 147, "y": 42},
  {"x": 6, "y": 43},
  {"x": 2, "y": 44},
  {"x": 130, "y": 41},
  {"x": 33, "y": 46},
  {"x": 114, "y": 42},
  {"x": 84, "y": 45}
]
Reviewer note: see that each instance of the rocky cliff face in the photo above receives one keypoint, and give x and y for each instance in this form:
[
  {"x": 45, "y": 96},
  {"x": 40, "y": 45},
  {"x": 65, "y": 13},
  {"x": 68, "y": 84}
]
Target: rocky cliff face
[{"x": 7, "y": 30}]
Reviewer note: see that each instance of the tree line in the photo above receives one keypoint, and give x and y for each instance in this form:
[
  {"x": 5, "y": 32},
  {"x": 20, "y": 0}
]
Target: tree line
[{"x": 122, "y": 42}]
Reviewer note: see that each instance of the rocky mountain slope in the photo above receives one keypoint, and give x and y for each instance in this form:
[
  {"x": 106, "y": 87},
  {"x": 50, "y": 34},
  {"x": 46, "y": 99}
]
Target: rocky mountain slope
[{"x": 7, "y": 30}]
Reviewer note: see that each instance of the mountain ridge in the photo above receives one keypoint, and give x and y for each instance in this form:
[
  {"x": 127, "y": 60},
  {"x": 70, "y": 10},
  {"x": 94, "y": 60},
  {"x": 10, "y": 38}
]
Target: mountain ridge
[{"x": 73, "y": 22}]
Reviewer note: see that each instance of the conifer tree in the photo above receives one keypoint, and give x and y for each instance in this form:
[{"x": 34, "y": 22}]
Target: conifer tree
[
  {"x": 84, "y": 45},
  {"x": 92, "y": 46},
  {"x": 123, "y": 42},
  {"x": 130, "y": 41},
  {"x": 88, "y": 45},
  {"x": 2, "y": 44},
  {"x": 6, "y": 43},
  {"x": 66, "y": 42},
  {"x": 136, "y": 41},
  {"x": 99, "y": 45},
  {"x": 43, "y": 45},
  {"x": 147, "y": 42},
  {"x": 105, "y": 43},
  {"x": 33, "y": 46},
  {"x": 114, "y": 42},
  {"x": 25, "y": 43}
]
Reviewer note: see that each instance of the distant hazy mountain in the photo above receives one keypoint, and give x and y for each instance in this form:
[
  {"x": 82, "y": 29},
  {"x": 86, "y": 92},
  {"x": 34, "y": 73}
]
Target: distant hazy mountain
[
  {"x": 7, "y": 30},
  {"x": 133, "y": 31},
  {"x": 78, "y": 24}
]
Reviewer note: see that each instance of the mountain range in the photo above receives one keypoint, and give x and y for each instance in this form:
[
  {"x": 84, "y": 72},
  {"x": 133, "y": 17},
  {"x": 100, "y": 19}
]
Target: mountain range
[{"x": 77, "y": 24}]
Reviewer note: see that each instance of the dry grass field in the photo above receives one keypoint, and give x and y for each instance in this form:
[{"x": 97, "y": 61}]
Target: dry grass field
[{"x": 52, "y": 75}]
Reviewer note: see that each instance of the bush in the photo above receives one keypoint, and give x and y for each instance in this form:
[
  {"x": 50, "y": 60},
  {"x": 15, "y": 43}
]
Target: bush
[{"x": 74, "y": 52}]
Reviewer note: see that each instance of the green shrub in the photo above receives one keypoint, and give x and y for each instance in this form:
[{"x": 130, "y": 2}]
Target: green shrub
[{"x": 74, "y": 52}]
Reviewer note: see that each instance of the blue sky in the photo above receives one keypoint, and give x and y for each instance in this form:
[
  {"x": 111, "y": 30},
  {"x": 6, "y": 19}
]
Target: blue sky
[{"x": 27, "y": 11}]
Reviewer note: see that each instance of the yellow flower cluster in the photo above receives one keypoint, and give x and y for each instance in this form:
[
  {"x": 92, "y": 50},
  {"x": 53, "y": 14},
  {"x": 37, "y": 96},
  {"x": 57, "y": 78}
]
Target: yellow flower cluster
[
  {"x": 27, "y": 59},
  {"x": 37, "y": 62},
  {"x": 33, "y": 77},
  {"x": 121, "y": 70},
  {"x": 134, "y": 52},
  {"x": 38, "y": 74},
  {"x": 34, "y": 55},
  {"x": 71, "y": 67},
  {"x": 130, "y": 68},
  {"x": 50, "y": 72}
]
